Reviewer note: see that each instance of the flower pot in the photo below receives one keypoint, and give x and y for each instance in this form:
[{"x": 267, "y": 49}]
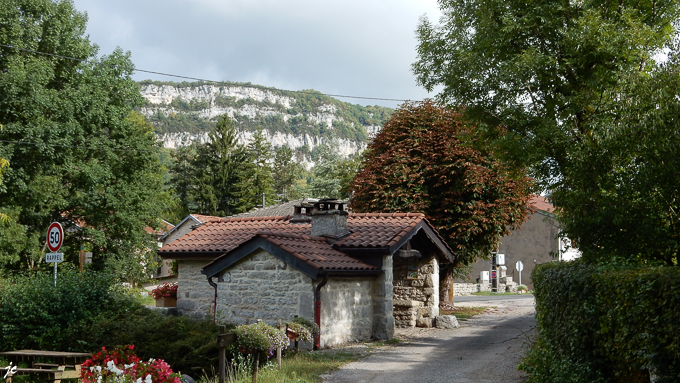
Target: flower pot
[
  {"x": 292, "y": 335},
  {"x": 166, "y": 302}
]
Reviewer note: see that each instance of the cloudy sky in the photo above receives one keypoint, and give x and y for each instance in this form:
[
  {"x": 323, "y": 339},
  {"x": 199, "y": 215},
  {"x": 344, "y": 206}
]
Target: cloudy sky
[{"x": 350, "y": 47}]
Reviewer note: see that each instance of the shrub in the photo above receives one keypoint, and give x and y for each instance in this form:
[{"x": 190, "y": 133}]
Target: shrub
[
  {"x": 34, "y": 313},
  {"x": 600, "y": 324},
  {"x": 260, "y": 337},
  {"x": 521, "y": 288},
  {"x": 186, "y": 344}
]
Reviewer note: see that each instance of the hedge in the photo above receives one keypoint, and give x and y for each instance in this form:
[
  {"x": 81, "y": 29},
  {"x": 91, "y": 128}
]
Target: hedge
[{"x": 598, "y": 324}]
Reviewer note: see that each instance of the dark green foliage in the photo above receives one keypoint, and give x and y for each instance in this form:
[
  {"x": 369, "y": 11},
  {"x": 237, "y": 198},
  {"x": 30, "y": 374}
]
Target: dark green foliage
[
  {"x": 584, "y": 100},
  {"x": 87, "y": 311},
  {"x": 34, "y": 314},
  {"x": 77, "y": 151},
  {"x": 188, "y": 345},
  {"x": 600, "y": 324}
]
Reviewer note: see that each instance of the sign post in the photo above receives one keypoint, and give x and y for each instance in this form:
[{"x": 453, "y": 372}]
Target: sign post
[
  {"x": 55, "y": 237},
  {"x": 519, "y": 266}
]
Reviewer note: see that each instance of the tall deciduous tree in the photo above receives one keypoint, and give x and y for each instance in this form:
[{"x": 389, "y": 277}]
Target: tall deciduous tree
[
  {"x": 423, "y": 160},
  {"x": 570, "y": 80},
  {"x": 77, "y": 153}
]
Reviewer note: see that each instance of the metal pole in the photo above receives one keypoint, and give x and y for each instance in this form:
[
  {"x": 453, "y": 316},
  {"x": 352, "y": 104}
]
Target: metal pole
[
  {"x": 262, "y": 199},
  {"x": 221, "y": 355},
  {"x": 55, "y": 274}
]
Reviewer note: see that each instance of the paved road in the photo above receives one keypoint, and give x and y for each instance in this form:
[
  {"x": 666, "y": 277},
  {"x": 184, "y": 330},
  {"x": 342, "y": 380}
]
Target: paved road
[
  {"x": 486, "y": 298},
  {"x": 487, "y": 348}
]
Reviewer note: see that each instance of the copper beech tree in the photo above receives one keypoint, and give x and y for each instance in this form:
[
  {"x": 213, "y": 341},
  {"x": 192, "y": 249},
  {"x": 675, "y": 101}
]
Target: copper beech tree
[{"x": 426, "y": 159}]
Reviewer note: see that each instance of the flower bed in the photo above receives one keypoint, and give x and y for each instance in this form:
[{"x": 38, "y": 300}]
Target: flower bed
[{"x": 121, "y": 365}]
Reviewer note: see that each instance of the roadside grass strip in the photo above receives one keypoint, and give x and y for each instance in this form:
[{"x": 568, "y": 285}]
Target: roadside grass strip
[{"x": 464, "y": 313}]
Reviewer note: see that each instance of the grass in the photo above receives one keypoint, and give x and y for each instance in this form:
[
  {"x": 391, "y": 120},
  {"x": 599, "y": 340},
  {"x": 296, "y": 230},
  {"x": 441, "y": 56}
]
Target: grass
[
  {"x": 464, "y": 313},
  {"x": 305, "y": 367},
  {"x": 142, "y": 296}
]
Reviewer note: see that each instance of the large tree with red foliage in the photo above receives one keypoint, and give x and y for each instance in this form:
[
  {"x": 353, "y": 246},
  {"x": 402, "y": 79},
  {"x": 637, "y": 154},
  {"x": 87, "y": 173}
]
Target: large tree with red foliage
[{"x": 425, "y": 159}]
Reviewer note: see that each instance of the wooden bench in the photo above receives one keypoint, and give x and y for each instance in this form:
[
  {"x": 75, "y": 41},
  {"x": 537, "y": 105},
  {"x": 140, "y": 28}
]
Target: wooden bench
[{"x": 51, "y": 372}]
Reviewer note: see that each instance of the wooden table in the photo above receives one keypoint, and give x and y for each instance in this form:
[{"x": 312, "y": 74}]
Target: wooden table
[{"x": 52, "y": 372}]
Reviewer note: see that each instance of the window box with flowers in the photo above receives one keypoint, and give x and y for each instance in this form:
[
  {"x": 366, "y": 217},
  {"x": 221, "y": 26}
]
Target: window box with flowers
[
  {"x": 301, "y": 329},
  {"x": 165, "y": 295}
]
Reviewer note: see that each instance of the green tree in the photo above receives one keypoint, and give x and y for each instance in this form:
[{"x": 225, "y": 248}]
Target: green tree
[
  {"x": 423, "y": 160},
  {"x": 216, "y": 184},
  {"x": 569, "y": 82},
  {"x": 346, "y": 171},
  {"x": 258, "y": 172},
  {"x": 77, "y": 153},
  {"x": 325, "y": 182},
  {"x": 286, "y": 171}
]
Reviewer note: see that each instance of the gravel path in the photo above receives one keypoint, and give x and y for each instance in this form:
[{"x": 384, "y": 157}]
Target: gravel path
[{"x": 487, "y": 348}]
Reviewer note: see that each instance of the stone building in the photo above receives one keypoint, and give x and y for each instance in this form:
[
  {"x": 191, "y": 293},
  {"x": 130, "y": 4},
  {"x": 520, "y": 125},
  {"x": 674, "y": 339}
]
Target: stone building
[
  {"x": 536, "y": 242},
  {"x": 357, "y": 275}
]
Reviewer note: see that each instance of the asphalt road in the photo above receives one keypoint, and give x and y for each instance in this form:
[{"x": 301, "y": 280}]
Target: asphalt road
[{"x": 487, "y": 348}]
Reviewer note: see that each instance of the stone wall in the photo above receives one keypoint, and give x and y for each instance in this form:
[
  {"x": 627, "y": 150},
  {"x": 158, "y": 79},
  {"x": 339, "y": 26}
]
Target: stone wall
[
  {"x": 346, "y": 310},
  {"x": 195, "y": 296},
  {"x": 262, "y": 286},
  {"x": 383, "y": 306},
  {"x": 416, "y": 292}
]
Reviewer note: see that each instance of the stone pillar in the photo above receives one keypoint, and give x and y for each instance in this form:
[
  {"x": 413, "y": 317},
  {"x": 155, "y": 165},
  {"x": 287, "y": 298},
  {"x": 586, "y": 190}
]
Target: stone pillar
[{"x": 383, "y": 308}]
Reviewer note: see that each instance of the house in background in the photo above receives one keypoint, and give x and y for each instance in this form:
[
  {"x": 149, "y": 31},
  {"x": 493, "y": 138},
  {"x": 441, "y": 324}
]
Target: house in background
[
  {"x": 536, "y": 242},
  {"x": 357, "y": 275},
  {"x": 189, "y": 223}
]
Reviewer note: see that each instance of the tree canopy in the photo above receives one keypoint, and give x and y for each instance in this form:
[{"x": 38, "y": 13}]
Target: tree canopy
[
  {"x": 78, "y": 154},
  {"x": 424, "y": 160},
  {"x": 584, "y": 100}
]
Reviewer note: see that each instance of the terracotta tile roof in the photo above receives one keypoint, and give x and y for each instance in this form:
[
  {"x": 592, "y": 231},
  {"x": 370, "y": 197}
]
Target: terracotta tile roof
[
  {"x": 316, "y": 252},
  {"x": 368, "y": 230},
  {"x": 541, "y": 203},
  {"x": 373, "y": 230},
  {"x": 204, "y": 218},
  {"x": 225, "y": 234}
]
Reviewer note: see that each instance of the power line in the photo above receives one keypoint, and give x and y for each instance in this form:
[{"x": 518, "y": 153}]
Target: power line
[{"x": 199, "y": 79}]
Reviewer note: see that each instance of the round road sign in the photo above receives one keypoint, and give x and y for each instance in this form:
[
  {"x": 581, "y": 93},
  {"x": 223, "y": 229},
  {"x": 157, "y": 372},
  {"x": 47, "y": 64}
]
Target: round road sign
[
  {"x": 55, "y": 236},
  {"x": 519, "y": 266}
]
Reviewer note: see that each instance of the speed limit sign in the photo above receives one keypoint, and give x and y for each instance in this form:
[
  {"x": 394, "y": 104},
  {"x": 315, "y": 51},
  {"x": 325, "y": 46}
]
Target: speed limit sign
[{"x": 55, "y": 237}]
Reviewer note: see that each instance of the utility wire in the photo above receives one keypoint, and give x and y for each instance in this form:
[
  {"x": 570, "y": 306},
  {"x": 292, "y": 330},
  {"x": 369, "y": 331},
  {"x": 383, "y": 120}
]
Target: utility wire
[{"x": 198, "y": 79}]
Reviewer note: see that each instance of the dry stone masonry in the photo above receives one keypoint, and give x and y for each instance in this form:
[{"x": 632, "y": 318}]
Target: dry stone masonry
[{"x": 416, "y": 291}]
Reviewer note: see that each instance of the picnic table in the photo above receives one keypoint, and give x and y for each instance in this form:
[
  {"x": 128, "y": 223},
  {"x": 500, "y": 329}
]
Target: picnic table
[{"x": 67, "y": 364}]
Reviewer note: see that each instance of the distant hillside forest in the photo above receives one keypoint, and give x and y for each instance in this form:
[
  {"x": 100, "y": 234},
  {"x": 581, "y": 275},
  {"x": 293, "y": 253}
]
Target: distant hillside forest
[{"x": 349, "y": 121}]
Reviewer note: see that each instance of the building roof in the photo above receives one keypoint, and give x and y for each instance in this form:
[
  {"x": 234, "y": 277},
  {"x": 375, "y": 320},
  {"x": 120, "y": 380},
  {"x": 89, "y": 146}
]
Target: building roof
[
  {"x": 194, "y": 219},
  {"x": 282, "y": 209},
  {"x": 541, "y": 203},
  {"x": 226, "y": 240}
]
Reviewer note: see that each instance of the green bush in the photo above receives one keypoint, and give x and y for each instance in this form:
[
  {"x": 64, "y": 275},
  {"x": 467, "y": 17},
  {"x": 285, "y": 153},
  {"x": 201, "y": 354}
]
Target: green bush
[
  {"x": 600, "y": 324},
  {"x": 188, "y": 345},
  {"x": 35, "y": 314},
  {"x": 87, "y": 311}
]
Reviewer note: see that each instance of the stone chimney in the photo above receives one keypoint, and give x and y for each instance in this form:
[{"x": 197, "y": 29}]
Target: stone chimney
[
  {"x": 329, "y": 218},
  {"x": 302, "y": 213}
]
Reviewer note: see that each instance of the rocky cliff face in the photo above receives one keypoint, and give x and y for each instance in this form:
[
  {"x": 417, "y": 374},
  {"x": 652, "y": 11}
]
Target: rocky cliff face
[{"x": 185, "y": 113}]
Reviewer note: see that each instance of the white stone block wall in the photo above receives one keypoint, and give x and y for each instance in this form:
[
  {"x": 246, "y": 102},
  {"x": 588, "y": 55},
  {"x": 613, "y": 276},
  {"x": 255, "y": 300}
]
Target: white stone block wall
[
  {"x": 195, "y": 297},
  {"x": 383, "y": 302},
  {"x": 346, "y": 311},
  {"x": 261, "y": 286}
]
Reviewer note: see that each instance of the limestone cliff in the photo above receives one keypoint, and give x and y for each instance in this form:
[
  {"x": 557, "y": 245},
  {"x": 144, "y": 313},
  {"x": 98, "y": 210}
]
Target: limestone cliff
[{"x": 185, "y": 112}]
